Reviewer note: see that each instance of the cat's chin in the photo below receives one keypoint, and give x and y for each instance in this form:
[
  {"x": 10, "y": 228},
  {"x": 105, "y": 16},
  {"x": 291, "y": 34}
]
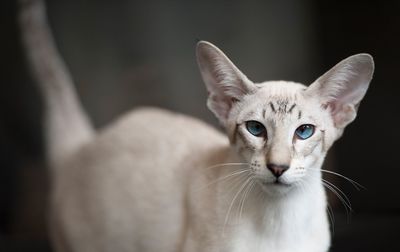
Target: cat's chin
[{"x": 276, "y": 188}]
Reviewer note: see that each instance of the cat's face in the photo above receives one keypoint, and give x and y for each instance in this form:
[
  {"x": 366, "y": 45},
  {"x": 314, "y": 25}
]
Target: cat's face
[
  {"x": 281, "y": 133},
  {"x": 283, "y": 129}
]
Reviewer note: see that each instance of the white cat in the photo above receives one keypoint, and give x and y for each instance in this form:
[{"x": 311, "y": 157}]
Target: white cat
[{"x": 160, "y": 181}]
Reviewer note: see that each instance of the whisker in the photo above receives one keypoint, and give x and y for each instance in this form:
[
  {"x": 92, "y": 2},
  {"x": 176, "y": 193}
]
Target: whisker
[
  {"x": 241, "y": 200},
  {"x": 331, "y": 216},
  {"x": 225, "y": 165},
  {"x": 354, "y": 183},
  {"x": 346, "y": 206},
  {"x": 246, "y": 193},
  {"x": 330, "y": 211},
  {"x": 339, "y": 191},
  {"x": 227, "y": 177},
  {"x": 238, "y": 181},
  {"x": 343, "y": 198},
  {"x": 233, "y": 201}
]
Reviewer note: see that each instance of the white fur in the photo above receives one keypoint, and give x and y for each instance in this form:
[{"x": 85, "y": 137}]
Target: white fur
[
  {"x": 152, "y": 181},
  {"x": 160, "y": 181}
]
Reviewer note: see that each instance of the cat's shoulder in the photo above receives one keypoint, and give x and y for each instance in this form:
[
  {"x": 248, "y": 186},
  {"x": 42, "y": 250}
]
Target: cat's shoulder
[{"x": 162, "y": 125}]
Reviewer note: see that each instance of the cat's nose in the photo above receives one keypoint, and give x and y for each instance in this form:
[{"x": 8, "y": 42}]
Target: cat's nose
[{"x": 277, "y": 170}]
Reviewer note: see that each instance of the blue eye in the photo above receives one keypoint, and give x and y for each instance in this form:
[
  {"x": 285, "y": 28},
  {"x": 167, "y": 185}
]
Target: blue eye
[
  {"x": 255, "y": 128},
  {"x": 305, "y": 131}
]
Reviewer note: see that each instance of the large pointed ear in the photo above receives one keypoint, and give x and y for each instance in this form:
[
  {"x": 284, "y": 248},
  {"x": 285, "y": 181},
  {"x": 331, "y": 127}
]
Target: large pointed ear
[
  {"x": 342, "y": 88},
  {"x": 225, "y": 84}
]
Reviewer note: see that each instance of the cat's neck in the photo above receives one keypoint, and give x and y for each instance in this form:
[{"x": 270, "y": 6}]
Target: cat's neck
[
  {"x": 248, "y": 211},
  {"x": 288, "y": 214}
]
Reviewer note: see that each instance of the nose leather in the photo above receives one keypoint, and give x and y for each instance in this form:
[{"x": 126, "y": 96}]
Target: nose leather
[{"x": 277, "y": 170}]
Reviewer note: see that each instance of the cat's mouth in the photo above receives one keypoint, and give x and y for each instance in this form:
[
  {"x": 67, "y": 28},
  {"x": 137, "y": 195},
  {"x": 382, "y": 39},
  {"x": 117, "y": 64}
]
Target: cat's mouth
[
  {"x": 276, "y": 182},
  {"x": 280, "y": 183},
  {"x": 275, "y": 187}
]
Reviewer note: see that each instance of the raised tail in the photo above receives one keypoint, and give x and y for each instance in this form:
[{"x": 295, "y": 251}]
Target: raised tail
[{"x": 67, "y": 126}]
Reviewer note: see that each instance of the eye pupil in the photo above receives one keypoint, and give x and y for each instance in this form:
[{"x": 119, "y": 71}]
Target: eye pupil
[
  {"x": 305, "y": 131},
  {"x": 255, "y": 128}
]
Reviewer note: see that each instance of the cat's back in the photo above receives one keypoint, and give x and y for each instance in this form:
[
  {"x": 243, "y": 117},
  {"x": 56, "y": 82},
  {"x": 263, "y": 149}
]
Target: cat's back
[
  {"x": 148, "y": 131},
  {"x": 149, "y": 140},
  {"x": 132, "y": 175}
]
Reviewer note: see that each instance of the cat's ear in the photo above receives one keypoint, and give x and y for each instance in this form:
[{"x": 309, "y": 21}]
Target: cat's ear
[
  {"x": 225, "y": 84},
  {"x": 342, "y": 88}
]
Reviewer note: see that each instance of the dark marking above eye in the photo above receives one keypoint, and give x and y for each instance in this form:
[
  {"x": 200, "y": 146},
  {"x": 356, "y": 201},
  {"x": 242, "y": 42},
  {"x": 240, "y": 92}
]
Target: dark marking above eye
[
  {"x": 299, "y": 116},
  {"x": 291, "y": 108},
  {"x": 272, "y": 107},
  {"x": 264, "y": 112},
  {"x": 282, "y": 104}
]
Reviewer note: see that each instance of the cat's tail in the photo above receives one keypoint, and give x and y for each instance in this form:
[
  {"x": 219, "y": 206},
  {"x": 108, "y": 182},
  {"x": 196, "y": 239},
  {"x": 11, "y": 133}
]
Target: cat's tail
[{"x": 66, "y": 125}]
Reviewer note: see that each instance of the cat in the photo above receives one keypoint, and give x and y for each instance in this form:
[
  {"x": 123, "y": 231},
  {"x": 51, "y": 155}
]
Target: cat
[{"x": 160, "y": 181}]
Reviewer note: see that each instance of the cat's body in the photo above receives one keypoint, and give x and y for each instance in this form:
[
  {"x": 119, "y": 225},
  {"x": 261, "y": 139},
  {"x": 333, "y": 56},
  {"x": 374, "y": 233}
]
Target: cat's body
[
  {"x": 159, "y": 200},
  {"x": 172, "y": 204},
  {"x": 160, "y": 181}
]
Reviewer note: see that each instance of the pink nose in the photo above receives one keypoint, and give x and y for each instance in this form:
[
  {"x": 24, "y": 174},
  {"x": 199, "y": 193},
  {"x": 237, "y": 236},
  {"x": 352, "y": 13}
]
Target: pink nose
[{"x": 277, "y": 170}]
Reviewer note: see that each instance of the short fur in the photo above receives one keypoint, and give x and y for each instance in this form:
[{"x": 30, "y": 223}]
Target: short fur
[{"x": 160, "y": 181}]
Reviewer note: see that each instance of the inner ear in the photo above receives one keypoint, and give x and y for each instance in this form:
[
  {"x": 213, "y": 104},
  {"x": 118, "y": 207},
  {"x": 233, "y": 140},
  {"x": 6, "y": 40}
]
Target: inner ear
[
  {"x": 342, "y": 88},
  {"x": 225, "y": 83}
]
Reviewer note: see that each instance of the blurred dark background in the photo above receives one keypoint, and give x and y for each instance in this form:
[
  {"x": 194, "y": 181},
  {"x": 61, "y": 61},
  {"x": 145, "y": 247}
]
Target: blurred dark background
[{"x": 128, "y": 53}]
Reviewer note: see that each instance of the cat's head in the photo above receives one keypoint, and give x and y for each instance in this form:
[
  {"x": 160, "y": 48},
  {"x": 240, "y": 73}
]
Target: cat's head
[{"x": 283, "y": 129}]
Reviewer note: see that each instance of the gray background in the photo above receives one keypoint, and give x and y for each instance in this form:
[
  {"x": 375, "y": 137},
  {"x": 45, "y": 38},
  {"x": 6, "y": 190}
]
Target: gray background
[{"x": 125, "y": 54}]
